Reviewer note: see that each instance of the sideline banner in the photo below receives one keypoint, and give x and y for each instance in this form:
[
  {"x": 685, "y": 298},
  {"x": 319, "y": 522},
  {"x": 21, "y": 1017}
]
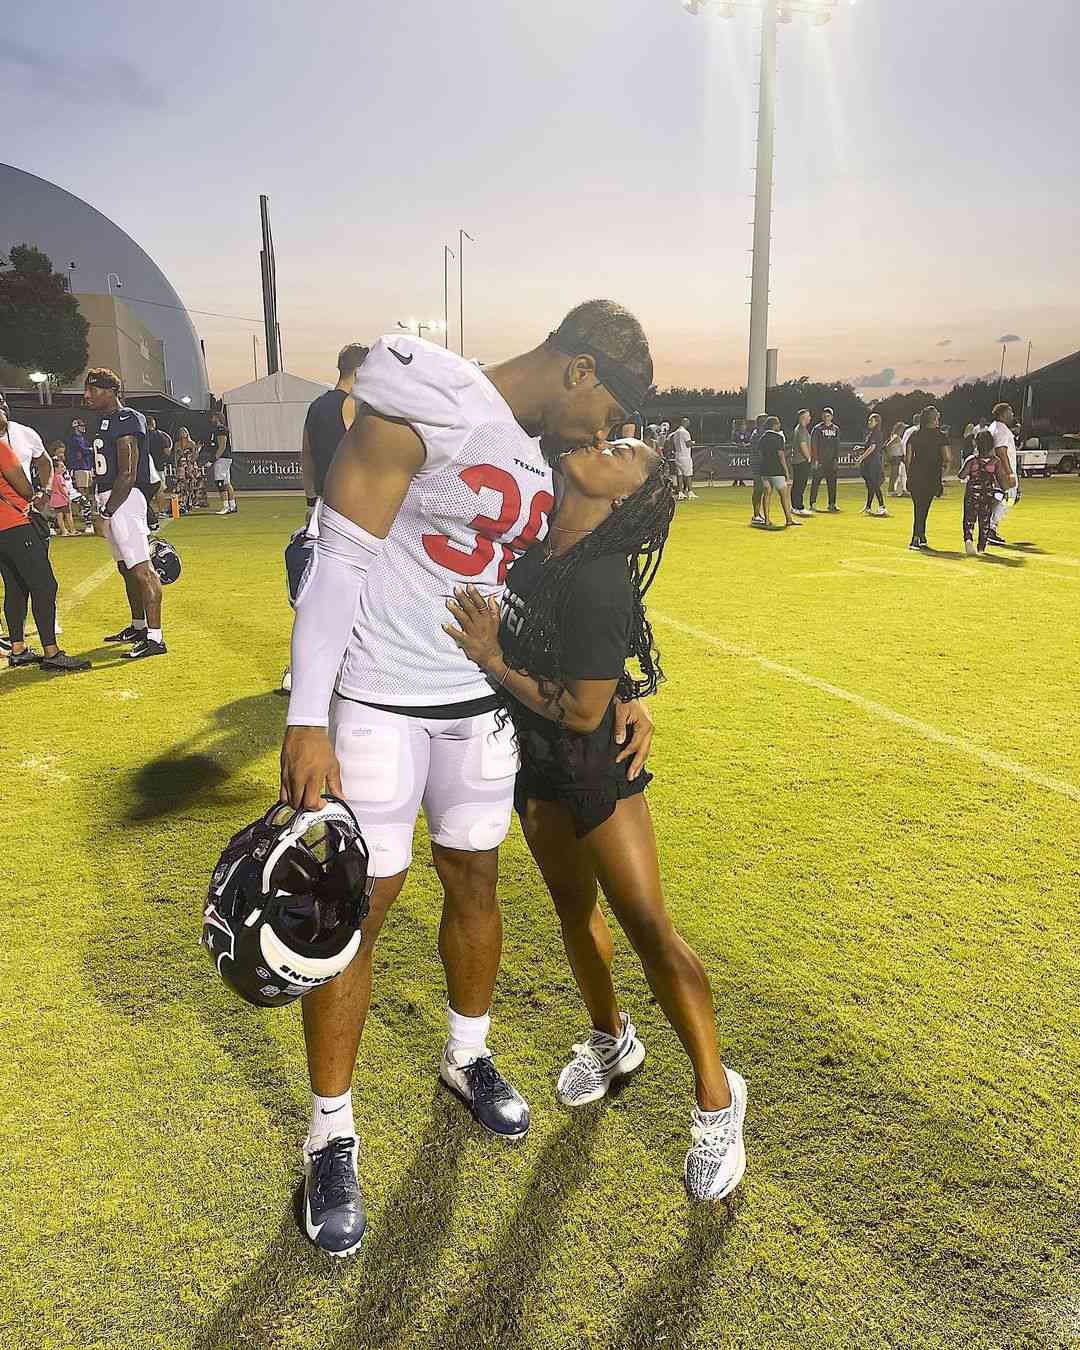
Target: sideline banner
[
  {"x": 728, "y": 462},
  {"x": 254, "y": 470}
]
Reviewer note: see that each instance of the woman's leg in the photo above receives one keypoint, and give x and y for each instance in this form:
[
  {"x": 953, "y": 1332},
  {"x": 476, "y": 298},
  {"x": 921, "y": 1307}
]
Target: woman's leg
[
  {"x": 16, "y": 599},
  {"x": 622, "y": 852},
  {"x": 868, "y": 483},
  {"x": 565, "y": 867},
  {"x": 878, "y": 493}
]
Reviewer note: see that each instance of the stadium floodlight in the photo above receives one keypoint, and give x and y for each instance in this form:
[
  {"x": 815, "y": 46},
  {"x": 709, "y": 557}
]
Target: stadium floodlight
[
  {"x": 421, "y": 326},
  {"x": 111, "y": 280},
  {"x": 186, "y": 398},
  {"x": 38, "y": 377},
  {"x": 773, "y": 13}
]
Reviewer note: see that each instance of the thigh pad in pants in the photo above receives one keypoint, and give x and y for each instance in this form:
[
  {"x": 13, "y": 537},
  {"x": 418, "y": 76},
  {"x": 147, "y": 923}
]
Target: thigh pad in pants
[{"x": 469, "y": 798}]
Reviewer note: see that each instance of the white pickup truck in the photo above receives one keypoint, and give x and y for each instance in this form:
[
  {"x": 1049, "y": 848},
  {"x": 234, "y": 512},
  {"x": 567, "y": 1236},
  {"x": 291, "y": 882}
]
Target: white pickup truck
[{"x": 1048, "y": 454}]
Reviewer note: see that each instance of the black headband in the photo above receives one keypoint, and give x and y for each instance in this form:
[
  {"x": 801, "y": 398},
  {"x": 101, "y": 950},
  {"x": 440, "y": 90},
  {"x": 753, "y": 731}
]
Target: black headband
[
  {"x": 103, "y": 382},
  {"x": 626, "y": 386}
]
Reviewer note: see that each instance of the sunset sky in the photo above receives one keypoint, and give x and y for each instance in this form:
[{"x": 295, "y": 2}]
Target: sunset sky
[{"x": 927, "y": 201}]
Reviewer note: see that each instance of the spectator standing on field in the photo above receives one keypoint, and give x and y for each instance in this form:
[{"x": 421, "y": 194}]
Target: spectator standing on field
[
  {"x": 894, "y": 452},
  {"x": 25, "y": 569},
  {"x": 825, "y": 450},
  {"x": 328, "y": 419},
  {"x": 80, "y": 462},
  {"x": 160, "y": 446},
  {"x": 926, "y": 454},
  {"x": 774, "y": 469},
  {"x": 987, "y": 477},
  {"x": 29, "y": 450},
  {"x": 221, "y": 458},
  {"x": 740, "y": 439},
  {"x": 1005, "y": 444},
  {"x": 682, "y": 444},
  {"x": 61, "y": 490},
  {"x": 760, "y": 493},
  {"x": 872, "y": 465},
  {"x": 801, "y": 463}
]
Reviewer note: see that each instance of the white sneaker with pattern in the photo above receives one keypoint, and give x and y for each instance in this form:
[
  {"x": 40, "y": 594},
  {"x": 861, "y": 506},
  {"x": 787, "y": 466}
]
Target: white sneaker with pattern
[
  {"x": 716, "y": 1160},
  {"x": 598, "y": 1063}
]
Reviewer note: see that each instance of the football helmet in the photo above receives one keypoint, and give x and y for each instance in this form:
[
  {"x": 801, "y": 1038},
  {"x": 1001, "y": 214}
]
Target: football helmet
[
  {"x": 286, "y": 902},
  {"x": 165, "y": 561}
]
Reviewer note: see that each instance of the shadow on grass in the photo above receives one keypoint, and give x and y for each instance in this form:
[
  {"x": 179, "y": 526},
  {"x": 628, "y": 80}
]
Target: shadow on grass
[
  {"x": 489, "y": 1310},
  {"x": 197, "y": 768},
  {"x": 665, "y": 1308}
]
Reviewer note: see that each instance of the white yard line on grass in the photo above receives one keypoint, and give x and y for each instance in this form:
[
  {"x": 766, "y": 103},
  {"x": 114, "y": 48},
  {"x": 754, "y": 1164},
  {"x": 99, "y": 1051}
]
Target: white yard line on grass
[
  {"x": 868, "y": 705},
  {"x": 67, "y": 599}
]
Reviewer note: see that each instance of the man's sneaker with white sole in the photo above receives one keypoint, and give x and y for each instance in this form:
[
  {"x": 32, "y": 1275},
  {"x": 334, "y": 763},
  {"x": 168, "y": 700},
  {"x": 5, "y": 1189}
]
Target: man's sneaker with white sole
[
  {"x": 716, "y": 1160},
  {"x": 334, "y": 1217},
  {"x": 598, "y": 1064},
  {"x": 473, "y": 1078}
]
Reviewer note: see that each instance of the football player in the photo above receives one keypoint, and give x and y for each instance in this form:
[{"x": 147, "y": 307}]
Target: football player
[
  {"x": 442, "y": 478},
  {"x": 122, "y": 483}
]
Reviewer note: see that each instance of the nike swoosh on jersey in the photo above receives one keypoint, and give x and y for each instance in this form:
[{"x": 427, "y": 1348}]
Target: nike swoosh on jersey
[{"x": 405, "y": 360}]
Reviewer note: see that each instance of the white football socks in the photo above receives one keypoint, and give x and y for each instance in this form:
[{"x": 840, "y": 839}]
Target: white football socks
[
  {"x": 331, "y": 1118},
  {"x": 154, "y": 634},
  {"x": 468, "y": 1035}
]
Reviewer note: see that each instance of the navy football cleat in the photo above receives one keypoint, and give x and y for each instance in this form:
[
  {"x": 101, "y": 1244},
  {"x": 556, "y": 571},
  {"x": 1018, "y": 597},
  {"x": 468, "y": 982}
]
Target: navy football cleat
[
  {"x": 334, "y": 1216},
  {"x": 490, "y": 1099}
]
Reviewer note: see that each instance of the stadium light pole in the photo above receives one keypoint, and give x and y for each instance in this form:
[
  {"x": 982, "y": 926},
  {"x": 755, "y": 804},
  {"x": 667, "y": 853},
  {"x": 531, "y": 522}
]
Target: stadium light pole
[
  {"x": 111, "y": 279},
  {"x": 447, "y": 254},
  {"x": 462, "y": 236},
  {"x": 773, "y": 13}
]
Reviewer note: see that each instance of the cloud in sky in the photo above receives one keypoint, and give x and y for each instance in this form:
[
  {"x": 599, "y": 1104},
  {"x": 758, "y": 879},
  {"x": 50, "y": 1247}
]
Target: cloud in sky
[
  {"x": 881, "y": 379},
  {"x": 945, "y": 342},
  {"x": 126, "y": 84},
  {"x": 1007, "y": 338}
]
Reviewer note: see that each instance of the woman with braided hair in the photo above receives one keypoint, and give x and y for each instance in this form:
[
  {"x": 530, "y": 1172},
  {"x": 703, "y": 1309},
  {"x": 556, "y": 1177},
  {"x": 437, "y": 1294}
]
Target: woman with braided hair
[{"x": 572, "y": 613}]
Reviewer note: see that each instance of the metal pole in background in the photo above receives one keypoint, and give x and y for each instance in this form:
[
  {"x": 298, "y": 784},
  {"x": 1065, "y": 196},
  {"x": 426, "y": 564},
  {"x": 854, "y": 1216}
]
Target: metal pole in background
[
  {"x": 1001, "y": 376},
  {"x": 462, "y": 236},
  {"x": 255, "y": 354},
  {"x": 269, "y": 280},
  {"x": 763, "y": 189},
  {"x": 448, "y": 253}
]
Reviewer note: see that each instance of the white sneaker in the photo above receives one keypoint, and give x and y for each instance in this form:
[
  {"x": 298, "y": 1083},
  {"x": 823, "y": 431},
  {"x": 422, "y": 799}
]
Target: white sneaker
[
  {"x": 680, "y": 496},
  {"x": 286, "y": 680},
  {"x": 598, "y": 1063},
  {"x": 716, "y": 1159},
  {"x": 225, "y": 511},
  {"x": 880, "y": 512},
  {"x": 969, "y": 547},
  {"x": 693, "y": 496}
]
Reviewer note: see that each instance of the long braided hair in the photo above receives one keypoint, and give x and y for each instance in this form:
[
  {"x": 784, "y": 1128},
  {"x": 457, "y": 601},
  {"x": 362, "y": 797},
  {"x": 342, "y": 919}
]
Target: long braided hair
[{"x": 637, "y": 529}]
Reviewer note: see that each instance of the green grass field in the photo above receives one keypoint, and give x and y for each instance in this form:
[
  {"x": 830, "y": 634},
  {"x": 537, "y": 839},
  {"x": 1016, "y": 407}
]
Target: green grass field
[{"x": 867, "y": 788}]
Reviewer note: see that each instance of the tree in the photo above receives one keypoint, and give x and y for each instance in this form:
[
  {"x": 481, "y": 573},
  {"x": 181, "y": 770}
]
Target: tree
[{"x": 41, "y": 327}]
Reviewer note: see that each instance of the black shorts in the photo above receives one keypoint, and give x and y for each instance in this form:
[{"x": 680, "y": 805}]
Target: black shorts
[{"x": 579, "y": 772}]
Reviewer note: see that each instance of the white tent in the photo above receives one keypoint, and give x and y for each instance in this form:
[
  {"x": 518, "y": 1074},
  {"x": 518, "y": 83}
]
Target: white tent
[{"x": 267, "y": 416}]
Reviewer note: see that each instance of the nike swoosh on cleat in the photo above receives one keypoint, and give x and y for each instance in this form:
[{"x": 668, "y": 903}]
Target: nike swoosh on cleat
[{"x": 405, "y": 360}]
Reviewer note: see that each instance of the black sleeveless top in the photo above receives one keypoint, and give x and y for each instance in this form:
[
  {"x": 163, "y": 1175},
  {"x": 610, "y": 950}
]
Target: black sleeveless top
[{"x": 325, "y": 428}]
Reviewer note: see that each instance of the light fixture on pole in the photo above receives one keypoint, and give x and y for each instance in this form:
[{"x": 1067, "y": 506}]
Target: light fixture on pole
[
  {"x": 111, "y": 280},
  {"x": 39, "y": 378},
  {"x": 447, "y": 254},
  {"x": 422, "y": 326},
  {"x": 773, "y": 13},
  {"x": 462, "y": 236}
]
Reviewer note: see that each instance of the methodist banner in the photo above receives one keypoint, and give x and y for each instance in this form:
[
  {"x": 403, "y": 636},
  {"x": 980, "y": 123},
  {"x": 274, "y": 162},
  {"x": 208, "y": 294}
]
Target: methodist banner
[
  {"x": 253, "y": 470},
  {"x": 720, "y": 463}
]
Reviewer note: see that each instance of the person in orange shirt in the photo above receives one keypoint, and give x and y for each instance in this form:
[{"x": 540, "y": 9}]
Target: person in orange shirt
[{"x": 26, "y": 571}]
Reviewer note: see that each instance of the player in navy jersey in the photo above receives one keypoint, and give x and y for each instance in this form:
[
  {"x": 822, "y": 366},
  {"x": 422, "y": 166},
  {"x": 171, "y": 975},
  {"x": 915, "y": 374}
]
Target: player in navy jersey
[{"x": 123, "y": 487}]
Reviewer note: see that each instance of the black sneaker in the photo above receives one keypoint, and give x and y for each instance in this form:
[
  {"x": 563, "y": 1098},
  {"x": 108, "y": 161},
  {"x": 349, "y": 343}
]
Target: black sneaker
[
  {"x": 995, "y": 538},
  {"x": 62, "y": 662},
  {"x": 334, "y": 1217},
  {"x": 147, "y": 647},
  {"x": 128, "y": 634},
  {"x": 835, "y": 510},
  {"x": 27, "y": 657},
  {"x": 490, "y": 1099}
]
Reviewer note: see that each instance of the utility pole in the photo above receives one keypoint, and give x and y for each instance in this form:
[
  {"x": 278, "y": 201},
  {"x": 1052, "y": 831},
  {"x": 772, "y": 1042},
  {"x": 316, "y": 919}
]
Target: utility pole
[
  {"x": 763, "y": 191},
  {"x": 448, "y": 253},
  {"x": 462, "y": 236},
  {"x": 268, "y": 265}
]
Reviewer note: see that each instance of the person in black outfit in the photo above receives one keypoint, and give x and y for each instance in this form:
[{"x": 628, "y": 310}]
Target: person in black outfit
[
  {"x": 926, "y": 454},
  {"x": 772, "y": 456},
  {"x": 871, "y": 461},
  {"x": 327, "y": 421},
  {"x": 825, "y": 449},
  {"x": 26, "y": 571},
  {"x": 572, "y": 614}
]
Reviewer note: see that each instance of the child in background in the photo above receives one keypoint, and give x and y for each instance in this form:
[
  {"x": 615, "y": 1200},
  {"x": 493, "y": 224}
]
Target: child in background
[
  {"x": 62, "y": 489},
  {"x": 987, "y": 480}
]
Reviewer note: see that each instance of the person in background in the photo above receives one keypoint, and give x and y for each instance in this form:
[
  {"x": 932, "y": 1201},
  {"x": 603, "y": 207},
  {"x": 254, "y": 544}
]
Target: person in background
[
  {"x": 220, "y": 454},
  {"x": 987, "y": 477},
  {"x": 160, "y": 446},
  {"x": 774, "y": 469},
  {"x": 825, "y": 448},
  {"x": 30, "y": 451},
  {"x": 926, "y": 453},
  {"x": 61, "y": 489},
  {"x": 759, "y": 496},
  {"x": 684, "y": 461},
  {"x": 801, "y": 464},
  {"x": 328, "y": 419},
  {"x": 81, "y": 465},
  {"x": 894, "y": 452},
  {"x": 1005, "y": 444},
  {"x": 740, "y": 439},
  {"x": 872, "y": 466},
  {"x": 25, "y": 569}
]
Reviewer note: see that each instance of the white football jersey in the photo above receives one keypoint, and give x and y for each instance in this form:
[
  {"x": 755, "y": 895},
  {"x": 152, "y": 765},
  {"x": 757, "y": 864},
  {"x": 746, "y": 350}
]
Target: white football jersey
[{"x": 482, "y": 497}]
